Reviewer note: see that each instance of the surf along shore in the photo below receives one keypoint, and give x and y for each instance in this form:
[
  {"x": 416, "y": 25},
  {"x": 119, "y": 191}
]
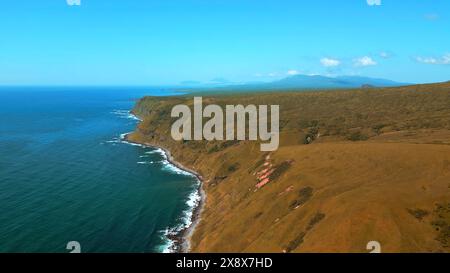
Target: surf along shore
[{"x": 181, "y": 238}]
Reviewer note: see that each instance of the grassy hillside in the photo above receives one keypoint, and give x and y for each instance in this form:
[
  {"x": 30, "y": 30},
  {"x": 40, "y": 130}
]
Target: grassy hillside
[{"x": 353, "y": 166}]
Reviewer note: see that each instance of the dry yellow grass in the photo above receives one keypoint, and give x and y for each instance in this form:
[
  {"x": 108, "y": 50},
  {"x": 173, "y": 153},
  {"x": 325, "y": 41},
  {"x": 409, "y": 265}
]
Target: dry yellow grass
[{"x": 380, "y": 170}]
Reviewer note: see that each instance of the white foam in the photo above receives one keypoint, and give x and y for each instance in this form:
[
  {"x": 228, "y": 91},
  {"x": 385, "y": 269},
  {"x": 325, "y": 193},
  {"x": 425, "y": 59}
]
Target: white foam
[
  {"x": 125, "y": 114},
  {"x": 146, "y": 162},
  {"x": 169, "y": 245},
  {"x": 157, "y": 151},
  {"x": 122, "y": 136},
  {"x": 193, "y": 201},
  {"x": 167, "y": 166},
  {"x": 122, "y": 140}
]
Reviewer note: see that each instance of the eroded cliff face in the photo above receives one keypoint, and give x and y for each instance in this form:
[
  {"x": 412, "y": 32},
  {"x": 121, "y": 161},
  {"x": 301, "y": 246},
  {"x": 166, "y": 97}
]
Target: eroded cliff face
[{"x": 352, "y": 167}]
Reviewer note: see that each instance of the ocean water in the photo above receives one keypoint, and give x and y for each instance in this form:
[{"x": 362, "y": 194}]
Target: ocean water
[{"x": 66, "y": 175}]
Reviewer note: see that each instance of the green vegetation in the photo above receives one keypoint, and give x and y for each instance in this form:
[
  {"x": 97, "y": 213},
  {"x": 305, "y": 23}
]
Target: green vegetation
[
  {"x": 295, "y": 243},
  {"x": 233, "y": 167},
  {"x": 303, "y": 196},
  {"x": 442, "y": 224},
  {"x": 280, "y": 169},
  {"x": 357, "y": 136},
  {"x": 315, "y": 220},
  {"x": 418, "y": 213}
]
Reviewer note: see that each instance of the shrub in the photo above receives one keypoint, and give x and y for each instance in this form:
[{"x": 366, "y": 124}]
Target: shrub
[
  {"x": 213, "y": 149},
  {"x": 303, "y": 196},
  {"x": 316, "y": 219},
  {"x": 377, "y": 128},
  {"x": 279, "y": 170},
  {"x": 311, "y": 135},
  {"x": 295, "y": 243},
  {"x": 233, "y": 167},
  {"x": 357, "y": 136},
  {"x": 418, "y": 213}
]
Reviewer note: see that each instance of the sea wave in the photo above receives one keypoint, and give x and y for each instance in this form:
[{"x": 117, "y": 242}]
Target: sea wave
[
  {"x": 194, "y": 199},
  {"x": 125, "y": 114},
  {"x": 158, "y": 151},
  {"x": 147, "y": 162},
  {"x": 186, "y": 218},
  {"x": 192, "y": 202},
  {"x": 167, "y": 166},
  {"x": 169, "y": 245},
  {"x": 120, "y": 139}
]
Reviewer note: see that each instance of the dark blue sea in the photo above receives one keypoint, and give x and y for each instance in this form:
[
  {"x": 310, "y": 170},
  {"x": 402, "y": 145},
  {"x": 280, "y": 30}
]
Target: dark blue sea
[{"x": 66, "y": 174}]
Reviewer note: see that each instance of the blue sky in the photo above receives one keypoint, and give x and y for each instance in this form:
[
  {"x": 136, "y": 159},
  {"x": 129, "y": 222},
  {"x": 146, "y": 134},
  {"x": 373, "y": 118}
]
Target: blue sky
[{"x": 141, "y": 42}]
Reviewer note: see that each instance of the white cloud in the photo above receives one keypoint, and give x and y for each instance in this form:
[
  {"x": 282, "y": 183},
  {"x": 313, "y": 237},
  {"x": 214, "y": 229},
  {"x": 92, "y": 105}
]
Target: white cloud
[
  {"x": 73, "y": 2},
  {"x": 272, "y": 74},
  {"x": 427, "y": 60},
  {"x": 385, "y": 55},
  {"x": 445, "y": 59},
  {"x": 374, "y": 2},
  {"x": 432, "y": 16},
  {"x": 328, "y": 62},
  {"x": 365, "y": 61},
  {"x": 293, "y": 72}
]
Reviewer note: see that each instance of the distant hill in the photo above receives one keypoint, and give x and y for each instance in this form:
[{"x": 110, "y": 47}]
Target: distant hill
[
  {"x": 323, "y": 82},
  {"x": 306, "y": 82}
]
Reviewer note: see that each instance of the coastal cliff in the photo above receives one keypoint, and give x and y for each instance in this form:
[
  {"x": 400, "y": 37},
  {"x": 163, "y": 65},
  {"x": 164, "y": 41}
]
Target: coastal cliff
[{"x": 353, "y": 166}]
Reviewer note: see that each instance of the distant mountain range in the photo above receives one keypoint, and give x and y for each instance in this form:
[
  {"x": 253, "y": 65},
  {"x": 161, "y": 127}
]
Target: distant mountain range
[{"x": 311, "y": 82}]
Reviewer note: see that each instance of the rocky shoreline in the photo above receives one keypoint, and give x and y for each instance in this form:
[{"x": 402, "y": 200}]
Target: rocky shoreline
[{"x": 182, "y": 239}]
